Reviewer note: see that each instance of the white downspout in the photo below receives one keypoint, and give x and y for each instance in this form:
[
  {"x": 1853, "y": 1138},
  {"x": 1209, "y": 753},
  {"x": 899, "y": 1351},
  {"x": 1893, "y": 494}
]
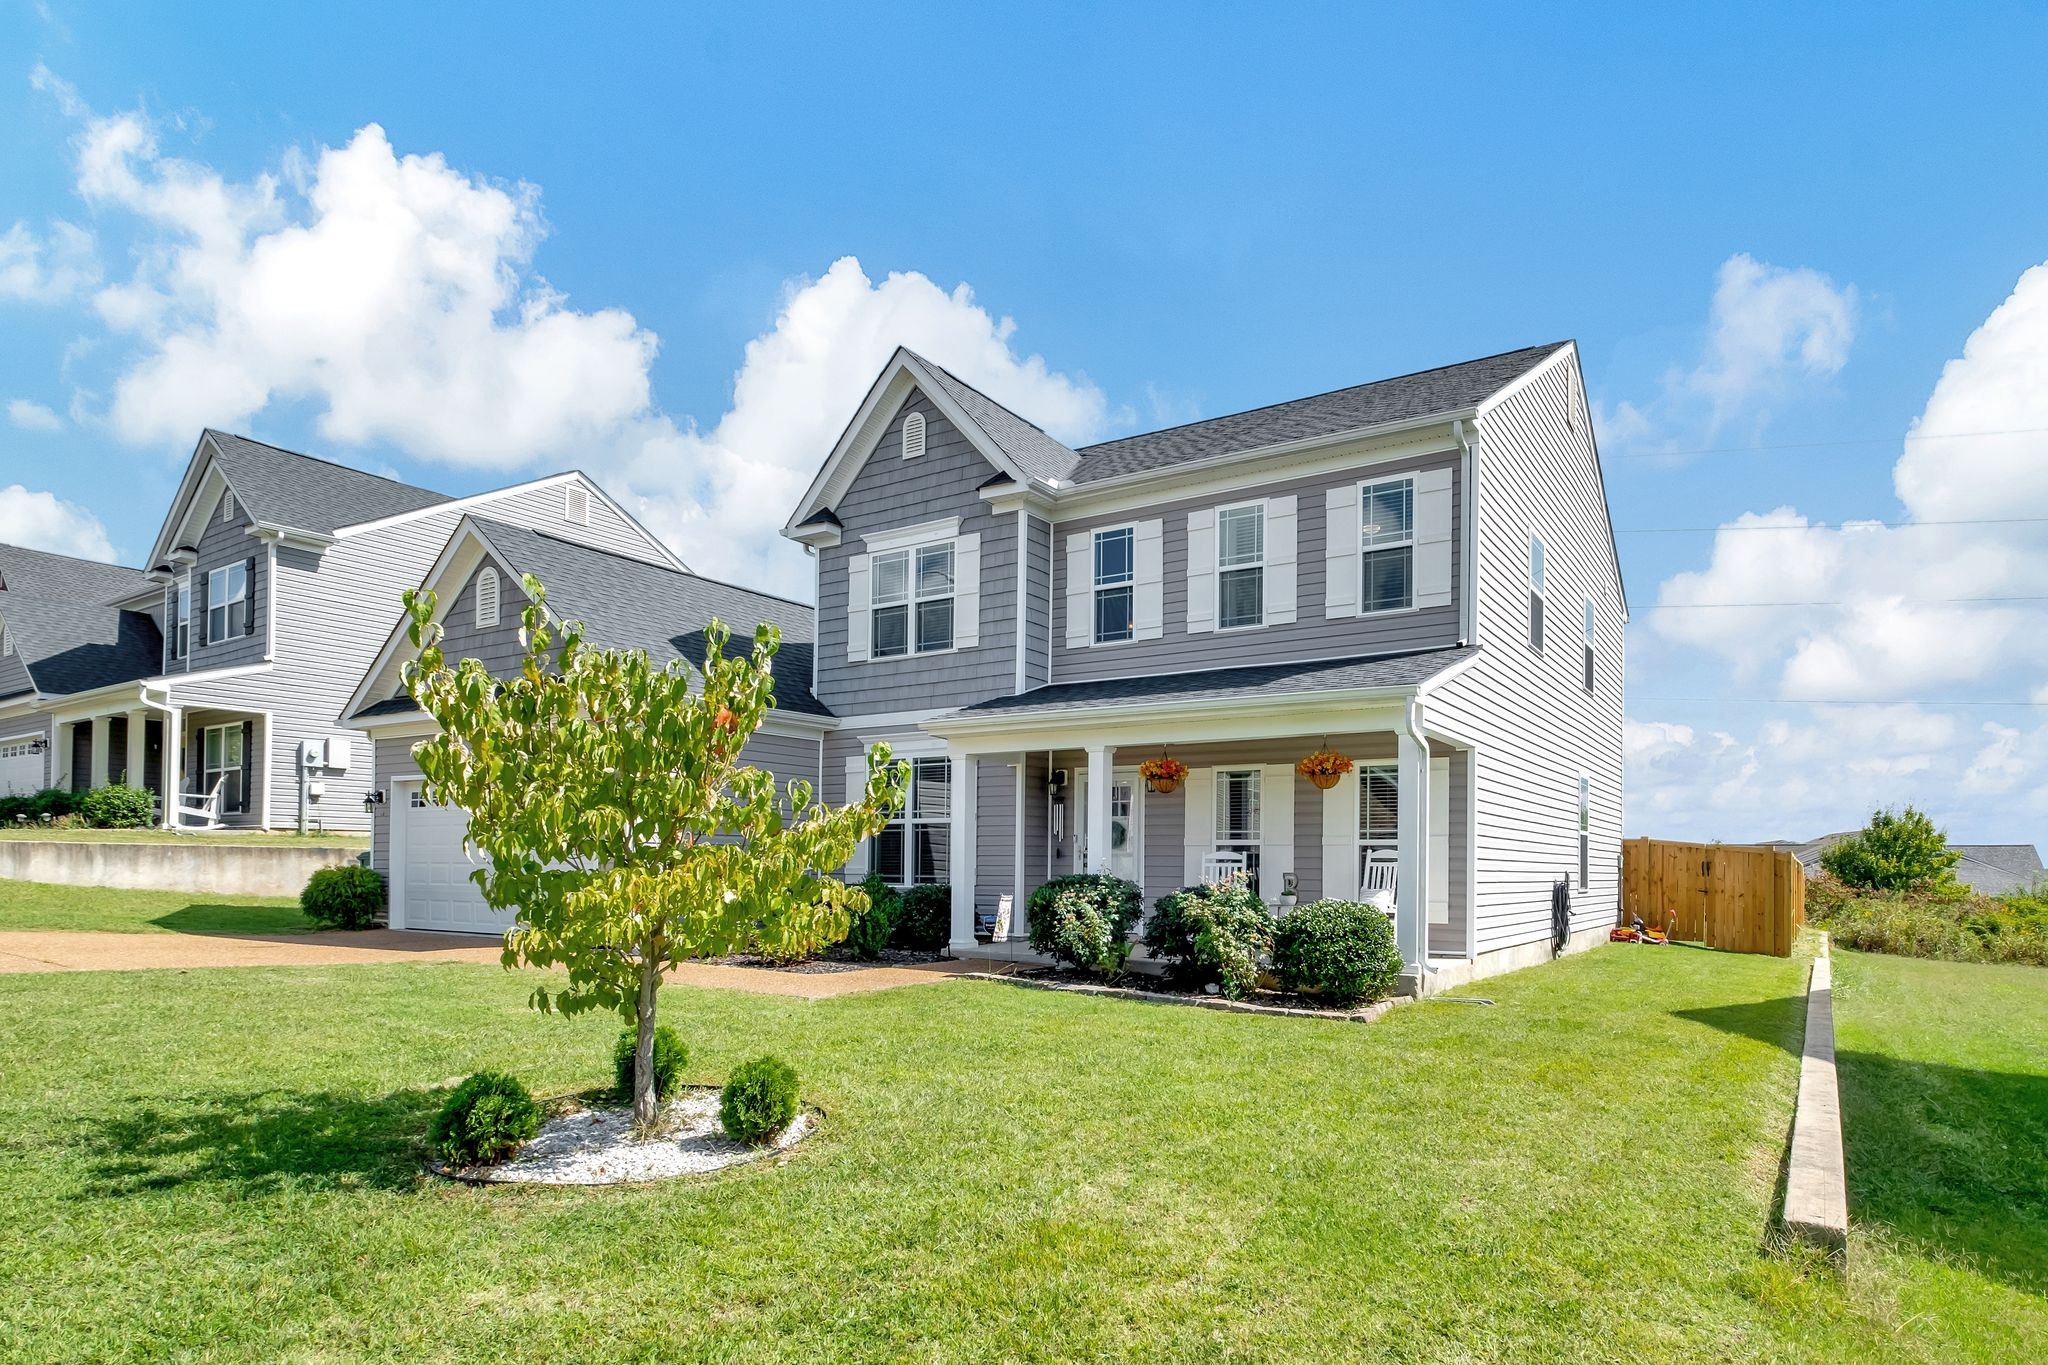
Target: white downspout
[{"x": 1411, "y": 909}]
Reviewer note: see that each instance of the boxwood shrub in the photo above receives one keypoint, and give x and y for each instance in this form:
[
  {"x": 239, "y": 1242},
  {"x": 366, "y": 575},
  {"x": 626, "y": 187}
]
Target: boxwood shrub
[
  {"x": 1212, "y": 934},
  {"x": 924, "y": 920},
  {"x": 1340, "y": 949},
  {"x": 671, "y": 1055},
  {"x": 1085, "y": 920},
  {"x": 54, "y": 802},
  {"x": 873, "y": 926},
  {"x": 485, "y": 1120},
  {"x": 759, "y": 1100},
  {"x": 346, "y": 897},
  {"x": 117, "y": 807}
]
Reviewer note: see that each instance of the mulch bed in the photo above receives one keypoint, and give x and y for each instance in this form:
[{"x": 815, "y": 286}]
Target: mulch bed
[
  {"x": 833, "y": 960},
  {"x": 1161, "y": 990}
]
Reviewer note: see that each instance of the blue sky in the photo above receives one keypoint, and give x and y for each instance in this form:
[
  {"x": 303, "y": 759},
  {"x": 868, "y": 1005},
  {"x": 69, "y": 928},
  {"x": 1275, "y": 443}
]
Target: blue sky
[{"x": 472, "y": 245}]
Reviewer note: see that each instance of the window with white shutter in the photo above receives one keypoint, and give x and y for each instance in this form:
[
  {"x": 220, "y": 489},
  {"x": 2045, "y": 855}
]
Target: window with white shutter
[
  {"x": 1386, "y": 538},
  {"x": 1241, "y": 566},
  {"x": 1116, "y": 572}
]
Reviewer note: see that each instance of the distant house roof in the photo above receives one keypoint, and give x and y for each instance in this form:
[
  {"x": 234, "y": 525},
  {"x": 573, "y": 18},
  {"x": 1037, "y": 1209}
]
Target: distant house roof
[
  {"x": 70, "y": 645},
  {"x": 39, "y": 573},
  {"x": 1251, "y": 683},
  {"x": 285, "y": 488},
  {"x": 1987, "y": 869}
]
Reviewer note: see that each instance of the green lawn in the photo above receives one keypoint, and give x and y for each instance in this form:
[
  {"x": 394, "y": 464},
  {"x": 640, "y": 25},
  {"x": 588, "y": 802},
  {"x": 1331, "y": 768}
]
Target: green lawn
[
  {"x": 260, "y": 838},
  {"x": 37, "y": 905},
  {"x": 225, "y": 1164}
]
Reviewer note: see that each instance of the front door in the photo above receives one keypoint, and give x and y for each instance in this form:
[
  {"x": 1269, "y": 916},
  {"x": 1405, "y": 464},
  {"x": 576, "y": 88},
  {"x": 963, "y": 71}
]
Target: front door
[{"x": 1126, "y": 825}]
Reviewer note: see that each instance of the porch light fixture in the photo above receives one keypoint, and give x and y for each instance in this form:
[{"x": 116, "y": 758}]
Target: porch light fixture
[
  {"x": 372, "y": 799},
  {"x": 39, "y": 745}
]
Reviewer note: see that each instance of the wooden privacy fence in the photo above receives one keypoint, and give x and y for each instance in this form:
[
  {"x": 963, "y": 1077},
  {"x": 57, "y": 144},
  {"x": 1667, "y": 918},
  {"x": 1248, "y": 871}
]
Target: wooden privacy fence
[{"x": 1738, "y": 897}]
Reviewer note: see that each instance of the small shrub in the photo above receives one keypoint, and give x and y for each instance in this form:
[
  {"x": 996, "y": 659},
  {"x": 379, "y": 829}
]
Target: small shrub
[
  {"x": 759, "y": 1100},
  {"x": 924, "y": 919},
  {"x": 485, "y": 1120},
  {"x": 1212, "y": 933},
  {"x": 671, "y": 1055},
  {"x": 873, "y": 926},
  {"x": 1340, "y": 949},
  {"x": 1896, "y": 851},
  {"x": 346, "y": 897},
  {"x": 1085, "y": 921},
  {"x": 117, "y": 807},
  {"x": 54, "y": 802}
]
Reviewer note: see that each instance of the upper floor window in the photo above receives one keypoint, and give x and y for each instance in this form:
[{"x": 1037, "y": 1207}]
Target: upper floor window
[
  {"x": 487, "y": 599},
  {"x": 181, "y": 636},
  {"x": 1585, "y": 830},
  {"x": 1241, "y": 565},
  {"x": 1386, "y": 533},
  {"x": 1536, "y": 592},
  {"x": 227, "y": 593},
  {"x": 912, "y": 601},
  {"x": 913, "y": 435},
  {"x": 576, "y": 504},
  {"x": 1592, "y": 633},
  {"x": 1115, "y": 583}
]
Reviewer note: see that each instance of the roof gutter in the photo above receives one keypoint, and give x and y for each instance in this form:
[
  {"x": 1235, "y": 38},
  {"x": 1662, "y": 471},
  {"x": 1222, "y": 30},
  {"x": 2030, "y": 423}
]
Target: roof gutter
[{"x": 1263, "y": 452}]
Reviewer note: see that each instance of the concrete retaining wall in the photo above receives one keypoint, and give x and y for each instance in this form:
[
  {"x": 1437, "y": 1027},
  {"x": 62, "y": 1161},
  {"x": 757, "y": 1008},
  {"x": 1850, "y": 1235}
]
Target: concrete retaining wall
[{"x": 189, "y": 865}]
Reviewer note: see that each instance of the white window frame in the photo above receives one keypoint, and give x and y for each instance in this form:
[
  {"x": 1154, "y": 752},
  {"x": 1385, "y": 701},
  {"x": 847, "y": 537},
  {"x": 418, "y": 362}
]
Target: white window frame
[
  {"x": 1257, "y": 505},
  {"x": 1128, "y": 583},
  {"x": 1539, "y": 575},
  {"x": 1592, "y": 634},
  {"x": 912, "y": 818},
  {"x": 1585, "y": 830},
  {"x": 220, "y": 602},
  {"x": 1248, "y": 842},
  {"x": 181, "y": 627},
  {"x": 1369, "y": 544},
  {"x": 913, "y": 426},
  {"x": 1371, "y": 841},
  {"x": 208, "y": 771},
  {"x": 915, "y": 596},
  {"x": 487, "y": 579}
]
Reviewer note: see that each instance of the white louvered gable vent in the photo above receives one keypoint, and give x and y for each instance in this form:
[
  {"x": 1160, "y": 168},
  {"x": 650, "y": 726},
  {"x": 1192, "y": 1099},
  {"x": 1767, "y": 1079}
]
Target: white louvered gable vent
[
  {"x": 487, "y": 599},
  {"x": 913, "y": 435},
  {"x": 576, "y": 505}
]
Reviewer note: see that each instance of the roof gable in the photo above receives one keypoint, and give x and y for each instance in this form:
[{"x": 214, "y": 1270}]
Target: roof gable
[
  {"x": 40, "y": 573},
  {"x": 74, "y": 646}
]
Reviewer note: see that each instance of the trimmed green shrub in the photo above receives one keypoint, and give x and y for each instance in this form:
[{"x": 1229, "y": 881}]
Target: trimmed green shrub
[
  {"x": 1212, "y": 933},
  {"x": 55, "y": 802},
  {"x": 873, "y": 926},
  {"x": 671, "y": 1055},
  {"x": 1340, "y": 949},
  {"x": 759, "y": 1100},
  {"x": 485, "y": 1120},
  {"x": 117, "y": 807},
  {"x": 924, "y": 919},
  {"x": 347, "y": 897},
  {"x": 1085, "y": 921},
  {"x": 1896, "y": 851}
]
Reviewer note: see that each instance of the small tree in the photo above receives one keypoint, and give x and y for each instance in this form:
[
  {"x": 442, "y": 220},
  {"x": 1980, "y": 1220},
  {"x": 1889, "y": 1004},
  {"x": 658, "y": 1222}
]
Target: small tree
[
  {"x": 1897, "y": 851},
  {"x": 618, "y": 821}
]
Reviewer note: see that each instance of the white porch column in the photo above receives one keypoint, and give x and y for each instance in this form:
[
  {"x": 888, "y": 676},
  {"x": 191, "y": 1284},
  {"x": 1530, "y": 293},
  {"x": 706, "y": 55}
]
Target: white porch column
[
  {"x": 60, "y": 754},
  {"x": 961, "y": 838},
  {"x": 1100, "y": 776},
  {"x": 1020, "y": 927},
  {"x": 1411, "y": 904},
  {"x": 138, "y": 746},
  {"x": 101, "y": 742},
  {"x": 173, "y": 775}
]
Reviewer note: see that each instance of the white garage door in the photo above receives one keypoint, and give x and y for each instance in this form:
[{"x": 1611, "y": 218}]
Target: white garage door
[
  {"x": 21, "y": 769},
  {"x": 433, "y": 888}
]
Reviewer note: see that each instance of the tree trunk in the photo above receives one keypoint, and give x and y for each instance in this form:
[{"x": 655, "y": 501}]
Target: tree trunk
[{"x": 643, "y": 1049}]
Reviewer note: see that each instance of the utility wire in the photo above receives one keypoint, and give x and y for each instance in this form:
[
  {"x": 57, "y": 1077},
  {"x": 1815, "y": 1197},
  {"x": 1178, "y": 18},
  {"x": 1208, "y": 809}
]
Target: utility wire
[
  {"x": 1837, "y": 701},
  {"x": 1825, "y": 445},
  {"x": 1810, "y": 526},
  {"x": 1902, "y": 601}
]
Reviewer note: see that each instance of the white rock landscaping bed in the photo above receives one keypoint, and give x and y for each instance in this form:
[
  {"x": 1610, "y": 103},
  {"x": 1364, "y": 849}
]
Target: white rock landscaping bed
[{"x": 596, "y": 1146}]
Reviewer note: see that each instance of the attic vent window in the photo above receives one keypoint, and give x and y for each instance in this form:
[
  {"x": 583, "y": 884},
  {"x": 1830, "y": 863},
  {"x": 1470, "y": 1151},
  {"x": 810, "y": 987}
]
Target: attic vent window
[
  {"x": 6, "y": 643},
  {"x": 487, "y": 599},
  {"x": 576, "y": 505},
  {"x": 913, "y": 436},
  {"x": 227, "y": 508}
]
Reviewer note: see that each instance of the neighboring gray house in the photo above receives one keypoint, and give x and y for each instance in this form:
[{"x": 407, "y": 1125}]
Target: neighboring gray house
[
  {"x": 621, "y": 600},
  {"x": 1987, "y": 869},
  {"x": 217, "y": 673}
]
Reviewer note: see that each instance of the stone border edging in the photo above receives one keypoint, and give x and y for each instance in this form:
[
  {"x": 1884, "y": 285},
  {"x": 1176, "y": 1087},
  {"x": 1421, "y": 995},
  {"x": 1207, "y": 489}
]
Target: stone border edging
[
  {"x": 1201, "y": 1002},
  {"x": 1816, "y": 1208}
]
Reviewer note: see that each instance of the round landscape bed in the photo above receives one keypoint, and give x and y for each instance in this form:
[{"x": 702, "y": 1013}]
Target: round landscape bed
[{"x": 582, "y": 1144}]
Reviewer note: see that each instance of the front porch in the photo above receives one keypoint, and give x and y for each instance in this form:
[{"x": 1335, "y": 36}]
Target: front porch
[{"x": 205, "y": 775}]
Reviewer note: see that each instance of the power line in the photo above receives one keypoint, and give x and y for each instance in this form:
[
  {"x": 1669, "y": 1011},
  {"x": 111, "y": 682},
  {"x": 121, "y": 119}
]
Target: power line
[
  {"x": 1820, "y": 526},
  {"x": 1825, "y": 445},
  {"x": 1900, "y": 601},
  {"x": 1836, "y": 701}
]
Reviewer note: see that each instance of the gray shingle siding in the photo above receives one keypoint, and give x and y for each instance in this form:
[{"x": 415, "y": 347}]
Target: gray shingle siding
[
  {"x": 223, "y": 544},
  {"x": 497, "y": 647},
  {"x": 1038, "y": 552}
]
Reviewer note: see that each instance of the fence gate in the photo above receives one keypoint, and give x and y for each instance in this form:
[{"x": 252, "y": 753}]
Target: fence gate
[{"x": 1738, "y": 897}]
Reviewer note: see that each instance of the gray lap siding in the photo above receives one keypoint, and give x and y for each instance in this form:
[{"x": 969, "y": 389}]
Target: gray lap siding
[{"x": 222, "y": 545}]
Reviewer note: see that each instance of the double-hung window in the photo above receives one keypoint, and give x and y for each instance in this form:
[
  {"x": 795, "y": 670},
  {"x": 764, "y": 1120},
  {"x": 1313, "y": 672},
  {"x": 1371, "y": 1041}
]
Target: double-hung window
[
  {"x": 222, "y": 749},
  {"x": 1585, "y": 830},
  {"x": 911, "y": 601},
  {"x": 1237, "y": 816},
  {"x": 913, "y": 848},
  {"x": 1536, "y": 593},
  {"x": 1379, "y": 813},
  {"x": 227, "y": 590},
  {"x": 1387, "y": 545},
  {"x": 1241, "y": 566},
  {"x": 1115, "y": 582}
]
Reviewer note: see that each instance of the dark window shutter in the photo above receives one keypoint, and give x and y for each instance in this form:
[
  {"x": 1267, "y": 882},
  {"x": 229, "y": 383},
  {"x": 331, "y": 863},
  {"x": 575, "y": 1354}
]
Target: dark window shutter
[
  {"x": 170, "y": 624},
  {"x": 248, "y": 759},
  {"x": 195, "y": 771},
  {"x": 249, "y": 600},
  {"x": 199, "y": 605}
]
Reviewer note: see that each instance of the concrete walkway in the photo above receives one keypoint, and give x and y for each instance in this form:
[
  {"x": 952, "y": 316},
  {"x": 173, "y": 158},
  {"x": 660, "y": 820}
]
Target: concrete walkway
[{"x": 69, "y": 951}]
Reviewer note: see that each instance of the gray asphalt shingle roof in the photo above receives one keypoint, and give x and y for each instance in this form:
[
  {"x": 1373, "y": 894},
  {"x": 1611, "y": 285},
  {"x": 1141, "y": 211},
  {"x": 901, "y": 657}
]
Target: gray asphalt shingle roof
[
  {"x": 285, "y": 488},
  {"x": 39, "y": 573},
  {"x": 1037, "y": 454},
  {"x": 70, "y": 645},
  {"x": 1252, "y": 682}
]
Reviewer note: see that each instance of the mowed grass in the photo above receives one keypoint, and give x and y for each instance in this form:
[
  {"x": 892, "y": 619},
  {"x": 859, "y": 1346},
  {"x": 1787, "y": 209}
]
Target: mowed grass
[
  {"x": 225, "y": 1164},
  {"x": 38, "y": 905},
  {"x": 241, "y": 838},
  {"x": 1944, "y": 1075}
]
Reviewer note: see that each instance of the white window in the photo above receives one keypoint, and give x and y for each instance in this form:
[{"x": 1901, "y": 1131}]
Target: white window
[
  {"x": 1379, "y": 812},
  {"x": 487, "y": 599},
  {"x": 1585, "y": 830},
  {"x": 182, "y": 629},
  {"x": 911, "y": 601},
  {"x": 576, "y": 504},
  {"x": 1592, "y": 633},
  {"x": 223, "y": 763},
  {"x": 1536, "y": 592},
  {"x": 1116, "y": 566},
  {"x": 1240, "y": 566},
  {"x": 227, "y": 590},
  {"x": 1386, "y": 539},
  {"x": 913, "y": 435},
  {"x": 1237, "y": 816},
  {"x": 913, "y": 849}
]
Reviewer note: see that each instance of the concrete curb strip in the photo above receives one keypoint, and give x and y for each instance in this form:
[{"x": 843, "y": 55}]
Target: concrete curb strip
[{"x": 1816, "y": 1178}]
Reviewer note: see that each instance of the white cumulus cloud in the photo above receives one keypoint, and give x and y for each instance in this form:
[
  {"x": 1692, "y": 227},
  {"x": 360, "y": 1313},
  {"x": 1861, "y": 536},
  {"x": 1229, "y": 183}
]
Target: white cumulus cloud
[
  {"x": 49, "y": 268},
  {"x": 43, "y": 521},
  {"x": 32, "y": 416}
]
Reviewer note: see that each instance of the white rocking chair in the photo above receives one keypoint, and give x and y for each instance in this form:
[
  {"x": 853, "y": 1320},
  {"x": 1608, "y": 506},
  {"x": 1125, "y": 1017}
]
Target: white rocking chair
[
  {"x": 1219, "y": 868},
  {"x": 1378, "y": 888},
  {"x": 205, "y": 808}
]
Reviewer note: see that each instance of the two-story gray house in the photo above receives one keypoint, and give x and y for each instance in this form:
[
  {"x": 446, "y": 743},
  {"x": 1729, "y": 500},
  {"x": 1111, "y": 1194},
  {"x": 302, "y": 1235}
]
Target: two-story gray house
[
  {"x": 1418, "y": 574},
  {"x": 214, "y": 677}
]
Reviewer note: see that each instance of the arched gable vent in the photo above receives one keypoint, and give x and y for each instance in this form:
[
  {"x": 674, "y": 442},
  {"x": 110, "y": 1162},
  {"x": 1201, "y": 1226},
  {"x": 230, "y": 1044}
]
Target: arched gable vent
[
  {"x": 487, "y": 599},
  {"x": 913, "y": 435}
]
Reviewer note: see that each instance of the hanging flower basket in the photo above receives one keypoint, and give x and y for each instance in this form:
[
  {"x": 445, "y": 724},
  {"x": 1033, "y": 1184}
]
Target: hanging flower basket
[
  {"x": 1324, "y": 767},
  {"x": 1162, "y": 775}
]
